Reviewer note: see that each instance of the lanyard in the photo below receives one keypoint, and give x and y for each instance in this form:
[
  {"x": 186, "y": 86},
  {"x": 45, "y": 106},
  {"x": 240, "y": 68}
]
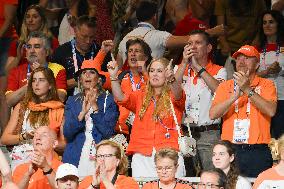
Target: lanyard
[
  {"x": 167, "y": 135},
  {"x": 74, "y": 54},
  {"x": 276, "y": 55},
  {"x": 138, "y": 85},
  {"x": 237, "y": 103}
]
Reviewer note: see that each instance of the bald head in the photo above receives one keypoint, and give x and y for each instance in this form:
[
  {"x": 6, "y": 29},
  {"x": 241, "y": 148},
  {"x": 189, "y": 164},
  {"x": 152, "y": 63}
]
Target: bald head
[{"x": 45, "y": 139}]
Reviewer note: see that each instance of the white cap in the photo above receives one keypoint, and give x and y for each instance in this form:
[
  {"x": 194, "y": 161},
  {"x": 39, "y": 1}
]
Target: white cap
[{"x": 66, "y": 169}]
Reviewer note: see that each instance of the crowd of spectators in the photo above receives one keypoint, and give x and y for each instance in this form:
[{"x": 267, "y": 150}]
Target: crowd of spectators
[{"x": 76, "y": 75}]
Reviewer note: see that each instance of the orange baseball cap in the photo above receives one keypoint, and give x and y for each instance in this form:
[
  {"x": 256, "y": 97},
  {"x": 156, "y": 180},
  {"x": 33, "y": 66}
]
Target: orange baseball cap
[{"x": 248, "y": 51}]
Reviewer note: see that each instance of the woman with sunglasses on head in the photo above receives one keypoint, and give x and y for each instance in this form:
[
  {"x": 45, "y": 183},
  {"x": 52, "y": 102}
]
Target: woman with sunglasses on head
[
  {"x": 135, "y": 79},
  {"x": 40, "y": 107},
  {"x": 154, "y": 108},
  {"x": 271, "y": 64},
  {"x": 91, "y": 116},
  {"x": 224, "y": 159},
  {"x": 111, "y": 169},
  {"x": 166, "y": 161},
  {"x": 34, "y": 20}
]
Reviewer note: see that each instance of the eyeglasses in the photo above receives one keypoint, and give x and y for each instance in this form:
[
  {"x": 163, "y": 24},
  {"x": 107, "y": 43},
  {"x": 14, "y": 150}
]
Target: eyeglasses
[
  {"x": 167, "y": 169},
  {"x": 208, "y": 185},
  {"x": 102, "y": 156}
]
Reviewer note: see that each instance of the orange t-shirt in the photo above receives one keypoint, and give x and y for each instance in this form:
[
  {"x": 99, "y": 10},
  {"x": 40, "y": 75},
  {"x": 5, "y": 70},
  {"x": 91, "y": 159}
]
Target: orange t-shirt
[
  {"x": 268, "y": 178},
  {"x": 122, "y": 182},
  {"x": 11, "y": 32},
  {"x": 146, "y": 132},
  {"x": 37, "y": 180},
  {"x": 126, "y": 87},
  {"x": 259, "y": 130},
  {"x": 155, "y": 185}
]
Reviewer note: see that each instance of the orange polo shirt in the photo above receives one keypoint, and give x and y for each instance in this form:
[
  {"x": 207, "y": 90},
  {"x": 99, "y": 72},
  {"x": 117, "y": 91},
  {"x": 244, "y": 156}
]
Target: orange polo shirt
[
  {"x": 122, "y": 182},
  {"x": 126, "y": 87},
  {"x": 37, "y": 180},
  {"x": 148, "y": 133},
  {"x": 259, "y": 130},
  {"x": 155, "y": 185}
]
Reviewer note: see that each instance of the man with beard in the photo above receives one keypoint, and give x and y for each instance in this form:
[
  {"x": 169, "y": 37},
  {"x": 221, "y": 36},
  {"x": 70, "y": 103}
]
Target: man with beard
[{"x": 38, "y": 48}]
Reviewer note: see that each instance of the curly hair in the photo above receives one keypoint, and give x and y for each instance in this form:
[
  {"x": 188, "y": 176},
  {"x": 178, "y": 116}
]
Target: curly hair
[
  {"x": 163, "y": 107},
  {"x": 37, "y": 117},
  {"x": 119, "y": 154},
  {"x": 232, "y": 176},
  {"x": 43, "y": 28}
]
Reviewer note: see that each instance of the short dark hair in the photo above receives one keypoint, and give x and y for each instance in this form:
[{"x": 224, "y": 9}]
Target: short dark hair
[
  {"x": 205, "y": 35},
  {"x": 145, "y": 47},
  {"x": 222, "y": 180},
  {"x": 86, "y": 20},
  {"x": 146, "y": 10}
]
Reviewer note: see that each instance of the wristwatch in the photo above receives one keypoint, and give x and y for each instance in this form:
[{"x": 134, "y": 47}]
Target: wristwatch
[
  {"x": 251, "y": 93},
  {"x": 47, "y": 172}
]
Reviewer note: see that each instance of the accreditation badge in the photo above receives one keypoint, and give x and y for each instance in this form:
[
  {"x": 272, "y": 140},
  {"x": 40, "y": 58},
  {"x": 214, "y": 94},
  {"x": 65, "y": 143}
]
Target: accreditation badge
[{"x": 241, "y": 130}]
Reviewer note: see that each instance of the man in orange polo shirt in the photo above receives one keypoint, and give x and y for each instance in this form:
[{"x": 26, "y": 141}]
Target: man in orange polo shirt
[
  {"x": 40, "y": 172},
  {"x": 246, "y": 103}
]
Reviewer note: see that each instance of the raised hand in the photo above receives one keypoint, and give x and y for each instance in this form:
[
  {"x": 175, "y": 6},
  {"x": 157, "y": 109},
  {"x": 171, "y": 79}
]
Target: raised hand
[
  {"x": 169, "y": 72},
  {"x": 242, "y": 80},
  {"x": 107, "y": 45},
  {"x": 112, "y": 68}
]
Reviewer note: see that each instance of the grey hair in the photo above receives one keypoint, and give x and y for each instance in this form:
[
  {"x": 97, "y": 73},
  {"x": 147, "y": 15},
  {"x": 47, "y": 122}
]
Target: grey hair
[{"x": 46, "y": 40}]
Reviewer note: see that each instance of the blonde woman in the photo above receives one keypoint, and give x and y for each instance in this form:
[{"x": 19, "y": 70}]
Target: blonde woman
[
  {"x": 273, "y": 177},
  {"x": 111, "y": 168},
  {"x": 153, "y": 126}
]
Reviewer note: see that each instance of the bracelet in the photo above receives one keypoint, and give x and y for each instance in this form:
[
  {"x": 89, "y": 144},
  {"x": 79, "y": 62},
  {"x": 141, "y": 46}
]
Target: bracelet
[
  {"x": 95, "y": 186},
  {"x": 113, "y": 78},
  {"x": 251, "y": 93},
  {"x": 172, "y": 80},
  {"x": 47, "y": 172},
  {"x": 201, "y": 71}
]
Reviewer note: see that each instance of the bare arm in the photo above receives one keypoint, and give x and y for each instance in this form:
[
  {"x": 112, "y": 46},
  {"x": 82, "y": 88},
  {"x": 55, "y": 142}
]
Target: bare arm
[
  {"x": 8, "y": 138},
  {"x": 225, "y": 48},
  {"x": 210, "y": 81},
  {"x": 16, "y": 96},
  {"x": 49, "y": 13},
  {"x": 5, "y": 169},
  {"x": 119, "y": 61},
  {"x": 61, "y": 140},
  {"x": 9, "y": 14},
  {"x": 175, "y": 86},
  {"x": 115, "y": 84},
  {"x": 176, "y": 41}
]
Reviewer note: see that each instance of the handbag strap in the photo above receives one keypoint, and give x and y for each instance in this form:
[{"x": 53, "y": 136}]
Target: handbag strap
[{"x": 176, "y": 121}]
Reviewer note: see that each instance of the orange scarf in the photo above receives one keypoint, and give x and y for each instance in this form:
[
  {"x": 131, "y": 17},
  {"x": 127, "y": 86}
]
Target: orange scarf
[{"x": 55, "y": 113}]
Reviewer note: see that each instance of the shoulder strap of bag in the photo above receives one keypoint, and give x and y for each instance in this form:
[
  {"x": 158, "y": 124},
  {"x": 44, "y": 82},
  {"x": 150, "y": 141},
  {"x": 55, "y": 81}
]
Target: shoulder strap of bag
[{"x": 176, "y": 121}]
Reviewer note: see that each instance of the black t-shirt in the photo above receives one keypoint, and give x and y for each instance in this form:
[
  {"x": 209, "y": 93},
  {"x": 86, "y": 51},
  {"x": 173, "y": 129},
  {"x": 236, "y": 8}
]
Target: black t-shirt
[{"x": 64, "y": 55}]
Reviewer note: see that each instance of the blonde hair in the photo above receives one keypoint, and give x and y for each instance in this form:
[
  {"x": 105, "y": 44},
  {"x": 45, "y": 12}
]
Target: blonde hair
[
  {"x": 163, "y": 103},
  {"x": 43, "y": 28},
  {"x": 167, "y": 153},
  {"x": 276, "y": 146},
  {"x": 119, "y": 154}
]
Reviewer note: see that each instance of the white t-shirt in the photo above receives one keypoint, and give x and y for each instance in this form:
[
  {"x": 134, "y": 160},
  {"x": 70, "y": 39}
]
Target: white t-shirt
[
  {"x": 154, "y": 38},
  {"x": 243, "y": 183},
  {"x": 66, "y": 32}
]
